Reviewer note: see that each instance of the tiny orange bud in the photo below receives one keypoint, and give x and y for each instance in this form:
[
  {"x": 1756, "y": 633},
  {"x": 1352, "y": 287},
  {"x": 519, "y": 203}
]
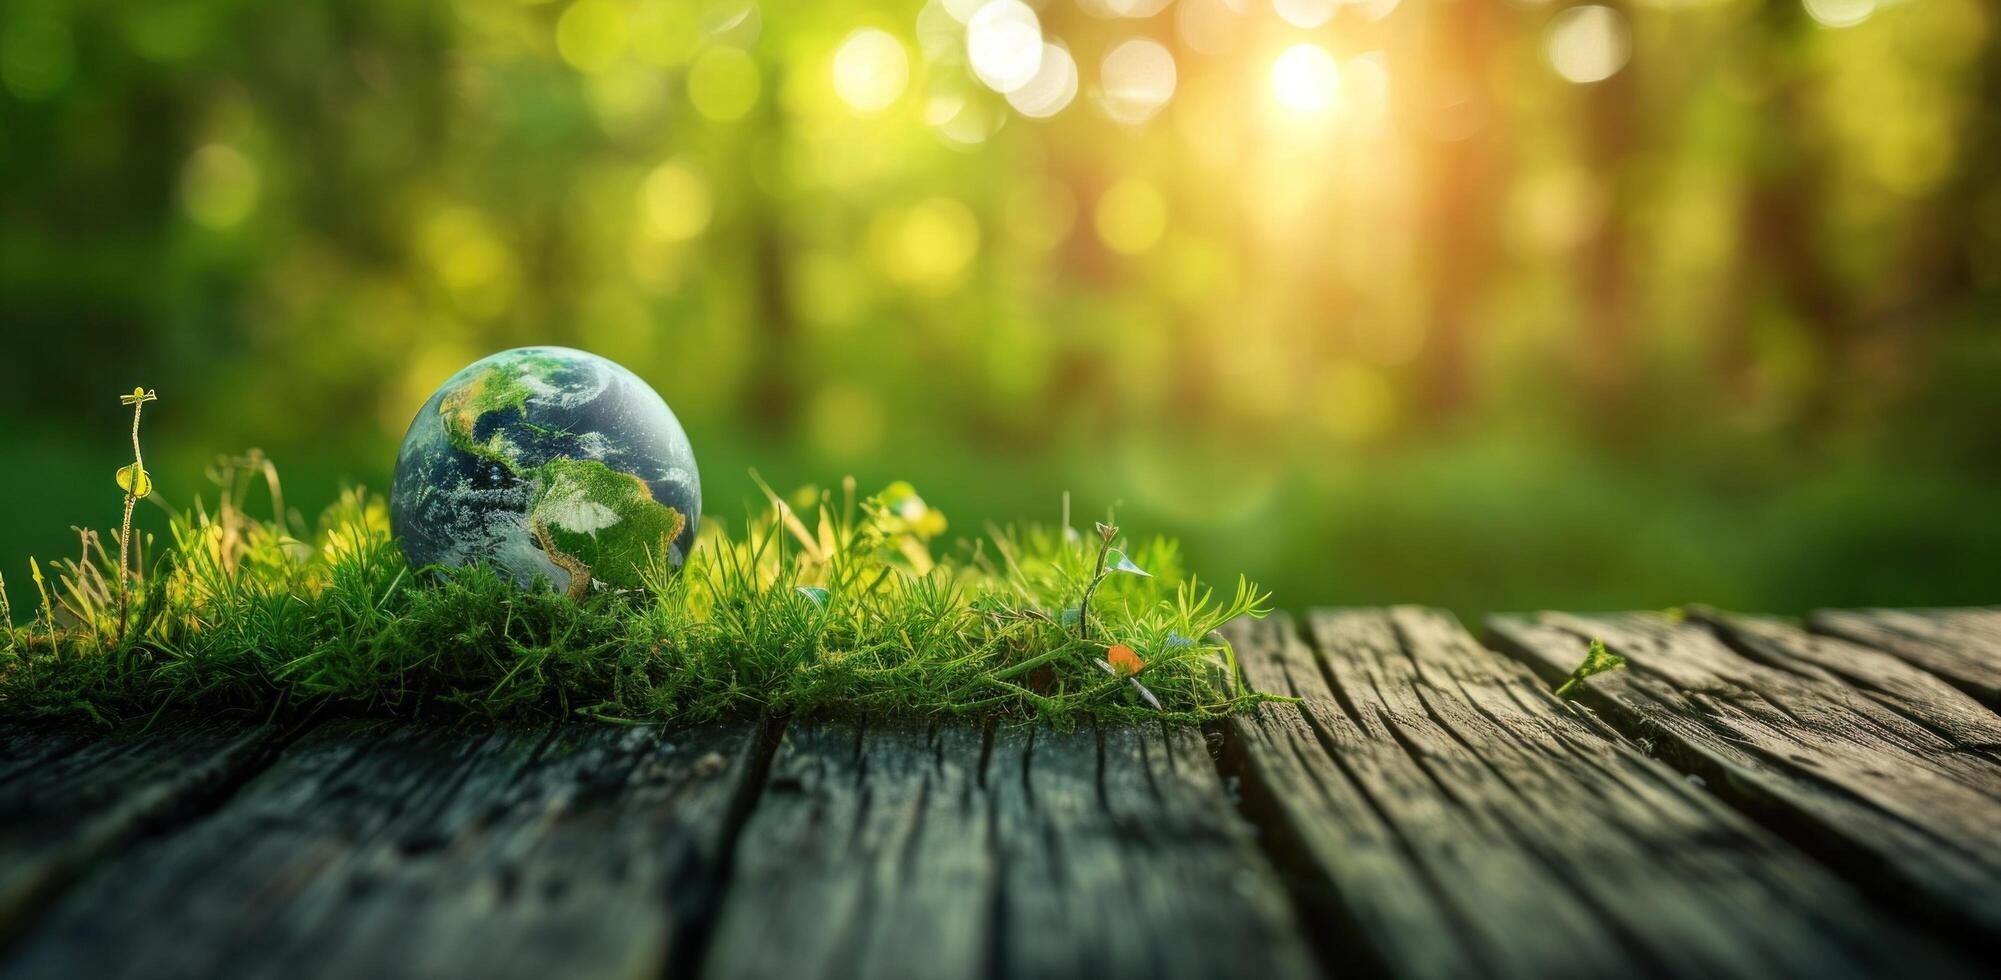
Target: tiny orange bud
[{"x": 1124, "y": 661}]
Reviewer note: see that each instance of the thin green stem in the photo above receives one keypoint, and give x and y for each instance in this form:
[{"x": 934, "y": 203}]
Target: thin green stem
[{"x": 1106, "y": 533}]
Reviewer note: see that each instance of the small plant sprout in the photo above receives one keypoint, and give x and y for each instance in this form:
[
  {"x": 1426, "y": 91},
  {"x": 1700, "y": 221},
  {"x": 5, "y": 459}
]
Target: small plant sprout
[
  {"x": 1596, "y": 661},
  {"x": 1107, "y": 533},
  {"x": 134, "y": 480},
  {"x": 42, "y": 589}
]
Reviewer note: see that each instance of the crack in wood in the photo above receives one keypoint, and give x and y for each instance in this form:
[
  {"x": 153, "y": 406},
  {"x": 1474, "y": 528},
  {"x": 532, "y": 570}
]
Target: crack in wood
[
  {"x": 71, "y": 799},
  {"x": 1869, "y": 789}
]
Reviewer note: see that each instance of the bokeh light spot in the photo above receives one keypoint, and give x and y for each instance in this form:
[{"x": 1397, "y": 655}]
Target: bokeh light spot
[
  {"x": 677, "y": 202},
  {"x": 1052, "y": 88},
  {"x": 1207, "y": 26},
  {"x": 1305, "y": 79},
  {"x": 662, "y": 33},
  {"x": 591, "y": 35},
  {"x": 928, "y": 247},
  {"x": 625, "y": 98},
  {"x": 1305, "y": 13},
  {"x": 723, "y": 84},
  {"x": 1588, "y": 44},
  {"x": 167, "y": 32},
  {"x": 963, "y": 10},
  {"x": 1135, "y": 9},
  {"x": 218, "y": 187},
  {"x": 1004, "y": 45},
  {"x": 1131, "y": 216},
  {"x": 37, "y": 55},
  {"x": 1839, "y": 13},
  {"x": 470, "y": 261},
  {"x": 871, "y": 70},
  {"x": 1138, "y": 77}
]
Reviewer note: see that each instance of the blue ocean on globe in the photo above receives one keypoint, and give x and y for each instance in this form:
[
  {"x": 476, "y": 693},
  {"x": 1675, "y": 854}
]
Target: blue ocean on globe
[{"x": 546, "y": 462}]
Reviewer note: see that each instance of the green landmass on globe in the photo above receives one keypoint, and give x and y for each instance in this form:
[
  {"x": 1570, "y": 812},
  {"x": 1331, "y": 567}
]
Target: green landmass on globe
[{"x": 547, "y": 463}]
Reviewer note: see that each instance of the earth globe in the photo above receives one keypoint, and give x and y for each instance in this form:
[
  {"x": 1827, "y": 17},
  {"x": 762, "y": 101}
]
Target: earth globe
[{"x": 547, "y": 463}]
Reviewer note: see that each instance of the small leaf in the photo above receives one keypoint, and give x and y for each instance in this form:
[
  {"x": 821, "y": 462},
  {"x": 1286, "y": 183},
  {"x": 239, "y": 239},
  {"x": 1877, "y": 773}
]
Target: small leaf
[
  {"x": 815, "y": 593},
  {"x": 133, "y": 479},
  {"x": 1126, "y": 565},
  {"x": 1596, "y": 661}
]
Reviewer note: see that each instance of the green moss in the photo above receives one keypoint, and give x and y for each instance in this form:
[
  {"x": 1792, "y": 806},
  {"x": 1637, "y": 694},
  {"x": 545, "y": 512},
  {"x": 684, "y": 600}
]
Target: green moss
[{"x": 847, "y": 610}]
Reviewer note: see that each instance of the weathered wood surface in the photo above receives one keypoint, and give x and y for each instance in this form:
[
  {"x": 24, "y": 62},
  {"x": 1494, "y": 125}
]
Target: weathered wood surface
[
  {"x": 1897, "y": 684},
  {"x": 69, "y": 797},
  {"x": 1439, "y": 791},
  {"x": 1961, "y": 646},
  {"x": 1860, "y": 779},
  {"x": 384, "y": 851},
  {"x": 897, "y": 851},
  {"x": 1749, "y": 798}
]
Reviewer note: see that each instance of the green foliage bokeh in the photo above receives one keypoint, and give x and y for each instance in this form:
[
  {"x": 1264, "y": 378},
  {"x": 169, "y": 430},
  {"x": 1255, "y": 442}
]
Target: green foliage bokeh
[{"x": 1718, "y": 327}]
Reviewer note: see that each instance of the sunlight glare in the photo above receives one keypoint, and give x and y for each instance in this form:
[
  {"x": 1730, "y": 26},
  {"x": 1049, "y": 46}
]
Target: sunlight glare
[{"x": 1305, "y": 79}]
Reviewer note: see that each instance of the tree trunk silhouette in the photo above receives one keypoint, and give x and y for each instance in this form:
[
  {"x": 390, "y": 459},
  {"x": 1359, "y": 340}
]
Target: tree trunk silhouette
[
  {"x": 1611, "y": 108},
  {"x": 1462, "y": 159},
  {"x": 1777, "y": 222},
  {"x": 771, "y": 393}
]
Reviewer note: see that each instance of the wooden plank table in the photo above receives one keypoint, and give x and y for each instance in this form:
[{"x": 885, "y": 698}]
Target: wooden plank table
[{"x": 1751, "y": 797}]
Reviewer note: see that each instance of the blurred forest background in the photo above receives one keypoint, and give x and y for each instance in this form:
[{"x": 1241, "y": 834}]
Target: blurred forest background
[{"x": 1483, "y": 304}]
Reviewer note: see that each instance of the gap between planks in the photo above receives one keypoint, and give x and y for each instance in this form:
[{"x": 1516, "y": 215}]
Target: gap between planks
[
  {"x": 399, "y": 850},
  {"x": 1438, "y": 790},
  {"x": 379, "y": 848},
  {"x": 1375, "y": 739},
  {"x": 70, "y": 797},
  {"x": 1881, "y": 770},
  {"x": 888, "y": 849}
]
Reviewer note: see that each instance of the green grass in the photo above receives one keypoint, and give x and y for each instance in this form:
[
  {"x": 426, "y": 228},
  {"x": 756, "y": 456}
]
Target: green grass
[{"x": 825, "y": 602}]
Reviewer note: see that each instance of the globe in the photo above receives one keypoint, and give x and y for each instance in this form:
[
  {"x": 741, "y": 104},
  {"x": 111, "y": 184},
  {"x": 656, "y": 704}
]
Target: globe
[{"x": 546, "y": 462}]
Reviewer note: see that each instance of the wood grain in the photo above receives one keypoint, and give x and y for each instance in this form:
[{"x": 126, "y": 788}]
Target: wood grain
[
  {"x": 407, "y": 851},
  {"x": 885, "y": 850},
  {"x": 1749, "y": 798},
  {"x": 1469, "y": 824},
  {"x": 1890, "y": 800},
  {"x": 1961, "y": 646},
  {"x": 70, "y": 796},
  {"x": 1903, "y": 687}
]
